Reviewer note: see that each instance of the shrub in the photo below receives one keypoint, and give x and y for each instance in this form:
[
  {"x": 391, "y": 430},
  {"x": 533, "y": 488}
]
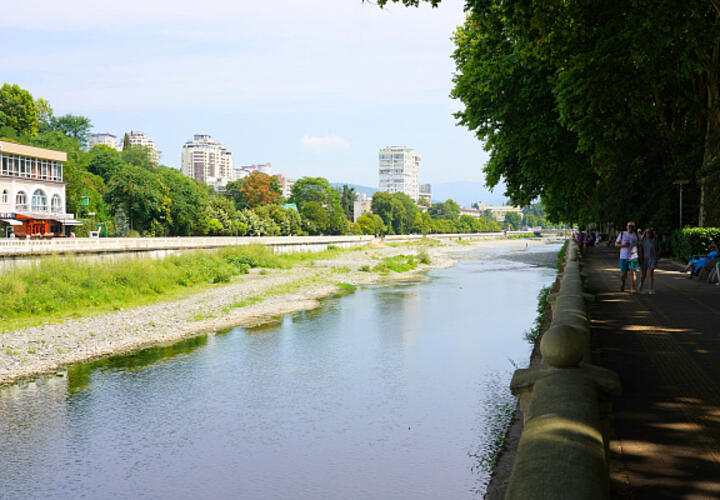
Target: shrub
[{"x": 689, "y": 241}]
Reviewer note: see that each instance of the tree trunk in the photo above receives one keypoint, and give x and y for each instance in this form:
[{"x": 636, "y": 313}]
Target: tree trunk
[{"x": 712, "y": 131}]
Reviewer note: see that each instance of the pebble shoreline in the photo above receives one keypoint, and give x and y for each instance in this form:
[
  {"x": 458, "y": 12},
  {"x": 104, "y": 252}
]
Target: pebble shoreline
[{"x": 47, "y": 348}]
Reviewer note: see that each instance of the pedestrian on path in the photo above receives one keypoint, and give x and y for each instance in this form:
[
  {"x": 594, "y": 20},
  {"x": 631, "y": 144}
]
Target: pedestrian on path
[
  {"x": 627, "y": 242},
  {"x": 648, "y": 259}
]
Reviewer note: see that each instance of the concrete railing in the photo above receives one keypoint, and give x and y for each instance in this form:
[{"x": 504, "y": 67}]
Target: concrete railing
[
  {"x": 562, "y": 453},
  {"x": 10, "y": 247}
]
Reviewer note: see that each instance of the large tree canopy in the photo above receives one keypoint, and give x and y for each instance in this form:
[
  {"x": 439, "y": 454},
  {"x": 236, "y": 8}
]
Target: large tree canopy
[{"x": 597, "y": 107}]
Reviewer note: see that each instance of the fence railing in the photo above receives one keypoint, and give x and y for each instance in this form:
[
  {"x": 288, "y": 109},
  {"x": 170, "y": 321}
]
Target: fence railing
[{"x": 562, "y": 453}]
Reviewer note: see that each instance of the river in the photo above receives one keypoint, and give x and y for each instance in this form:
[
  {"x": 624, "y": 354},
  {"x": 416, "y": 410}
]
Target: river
[{"x": 387, "y": 392}]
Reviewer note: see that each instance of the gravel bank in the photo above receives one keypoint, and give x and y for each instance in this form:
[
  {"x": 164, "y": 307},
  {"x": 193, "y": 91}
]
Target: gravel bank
[{"x": 246, "y": 301}]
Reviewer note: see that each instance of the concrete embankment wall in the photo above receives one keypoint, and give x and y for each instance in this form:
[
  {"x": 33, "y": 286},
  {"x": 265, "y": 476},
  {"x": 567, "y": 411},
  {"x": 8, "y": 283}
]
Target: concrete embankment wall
[
  {"x": 562, "y": 453},
  {"x": 17, "y": 253}
]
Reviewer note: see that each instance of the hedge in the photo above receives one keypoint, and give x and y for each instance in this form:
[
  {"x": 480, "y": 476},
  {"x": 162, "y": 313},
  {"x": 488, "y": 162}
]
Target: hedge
[{"x": 689, "y": 241}]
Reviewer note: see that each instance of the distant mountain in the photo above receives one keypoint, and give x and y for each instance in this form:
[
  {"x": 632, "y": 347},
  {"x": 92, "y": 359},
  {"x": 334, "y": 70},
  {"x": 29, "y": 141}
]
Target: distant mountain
[
  {"x": 467, "y": 193},
  {"x": 358, "y": 189}
]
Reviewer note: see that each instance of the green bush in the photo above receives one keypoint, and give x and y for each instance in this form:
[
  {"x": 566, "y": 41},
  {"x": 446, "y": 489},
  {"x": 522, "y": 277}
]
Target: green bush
[{"x": 689, "y": 241}]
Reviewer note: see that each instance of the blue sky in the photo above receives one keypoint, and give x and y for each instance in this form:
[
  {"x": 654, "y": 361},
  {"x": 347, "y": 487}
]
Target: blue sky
[{"x": 316, "y": 87}]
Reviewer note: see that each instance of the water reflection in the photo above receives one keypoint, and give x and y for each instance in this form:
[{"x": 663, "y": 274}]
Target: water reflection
[
  {"x": 79, "y": 376},
  {"x": 373, "y": 395}
]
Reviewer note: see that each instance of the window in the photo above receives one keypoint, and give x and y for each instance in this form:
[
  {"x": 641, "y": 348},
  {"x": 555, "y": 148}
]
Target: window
[
  {"x": 56, "y": 204},
  {"x": 21, "y": 201},
  {"x": 4, "y": 196},
  {"x": 39, "y": 201}
]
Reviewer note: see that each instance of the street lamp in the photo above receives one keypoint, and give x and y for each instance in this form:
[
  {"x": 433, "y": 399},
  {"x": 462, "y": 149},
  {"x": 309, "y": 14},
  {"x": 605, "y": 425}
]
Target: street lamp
[{"x": 681, "y": 183}]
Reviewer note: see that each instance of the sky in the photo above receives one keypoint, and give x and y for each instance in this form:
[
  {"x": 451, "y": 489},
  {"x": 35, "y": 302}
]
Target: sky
[{"x": 315, "y": 87}]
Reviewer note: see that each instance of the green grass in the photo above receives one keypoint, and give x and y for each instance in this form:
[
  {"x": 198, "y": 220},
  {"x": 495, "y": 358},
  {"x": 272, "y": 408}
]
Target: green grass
[
  {"x": 533, "y": 334},
  {"x": 57, "y": 288},
  {"x": 424, "y": 257},
  {"x": 345, "y": 289},
  {"x": 400, "y": 263},
  {"x": 561, "y": 255}
]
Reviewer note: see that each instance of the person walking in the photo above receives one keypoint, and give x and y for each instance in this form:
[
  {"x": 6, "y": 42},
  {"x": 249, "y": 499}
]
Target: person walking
[
  {"x": 648, "y": 248},
  {"x": 627, "y": 242}
]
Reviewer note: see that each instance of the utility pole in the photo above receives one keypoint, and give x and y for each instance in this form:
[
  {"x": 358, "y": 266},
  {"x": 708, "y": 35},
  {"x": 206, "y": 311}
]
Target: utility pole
[{"x": 681, "y": 183}]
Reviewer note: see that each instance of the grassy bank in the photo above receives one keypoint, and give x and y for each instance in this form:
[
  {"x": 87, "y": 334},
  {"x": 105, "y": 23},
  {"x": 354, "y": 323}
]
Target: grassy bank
[{"x": 61, "y": 287}]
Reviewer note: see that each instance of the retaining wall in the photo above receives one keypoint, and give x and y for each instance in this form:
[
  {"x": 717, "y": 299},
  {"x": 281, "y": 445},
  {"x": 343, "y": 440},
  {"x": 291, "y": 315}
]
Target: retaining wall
[{"x": 562, "y": 453}]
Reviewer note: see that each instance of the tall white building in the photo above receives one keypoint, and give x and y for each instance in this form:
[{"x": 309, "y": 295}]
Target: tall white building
[
  {"x": 137, "y": 138},
  {"x": 399, "y": 171},
  {"x": 207, "y": 160},
  {"x": 104, "y": 139}
]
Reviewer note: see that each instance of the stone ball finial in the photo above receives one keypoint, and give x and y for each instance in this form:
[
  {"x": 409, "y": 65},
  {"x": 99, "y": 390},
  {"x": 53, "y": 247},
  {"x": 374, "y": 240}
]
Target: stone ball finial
[{"x": 563, "y": 346}]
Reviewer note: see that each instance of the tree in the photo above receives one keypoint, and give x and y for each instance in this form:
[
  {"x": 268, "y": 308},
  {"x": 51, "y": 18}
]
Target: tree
[
  {"x": 513, "y": 220},
  {"x": 126, "y": 141},
  {"x": 122, "y": 227},
  {"x": 44, "y": 111},
  {"x": 142, "y": 196},
  {"x": 104, "y": 161},
  {"x": 260, "y": 189},
  {"x": 188, "y": 203},
  {"x": 313, "y": 194},
  {"x": 140, "y": 156},
  {"x": 315, "y": 218},
  {"x": 448, "y": 210},
  {"x": 347, "y": 201},
  {"x": 18, "y": 110},
  {"x": 382, "y": 205},
  {"x": 74, "y": 126}
]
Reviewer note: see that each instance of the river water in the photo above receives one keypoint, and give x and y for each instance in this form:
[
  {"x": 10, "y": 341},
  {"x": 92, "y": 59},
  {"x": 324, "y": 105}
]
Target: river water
[{"x": 383, "y": 393}]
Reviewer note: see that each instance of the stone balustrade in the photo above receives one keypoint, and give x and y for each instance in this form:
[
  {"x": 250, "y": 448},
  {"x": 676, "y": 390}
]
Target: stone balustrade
[{"x": 562, "y": 453}]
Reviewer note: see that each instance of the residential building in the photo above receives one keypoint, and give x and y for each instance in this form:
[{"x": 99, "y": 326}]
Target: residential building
[
  {"x": 205, "y": 159},
  {"x": 104, "y": 139},
  {"x": 362, "y": 205},
  {"x": 286, "y": 185},
  {"x": 32, "y": 191},
  {"x": 245, "y": 170},
  {"x": 398, "y": 171},
  {"x": 497, "y": 211},
  {"x": 425, "y": 194},
  {"x": 137, "y": 138}
]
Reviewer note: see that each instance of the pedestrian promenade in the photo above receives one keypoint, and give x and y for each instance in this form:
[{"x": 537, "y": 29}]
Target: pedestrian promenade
[{"x": 665, "y": 437}]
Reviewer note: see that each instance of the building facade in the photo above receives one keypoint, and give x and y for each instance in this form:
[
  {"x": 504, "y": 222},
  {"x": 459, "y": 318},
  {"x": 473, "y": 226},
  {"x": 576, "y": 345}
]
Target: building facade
[
  {"x": 286, "y": 185},
  {"x": 361, "y": 206},
  {"x": 425, "y": 194},
  {"x": 398, "y": 171},
  {"x": 32, "y": 192},
  {"x": 245, "y": 170},
  {"x": 205, "y": 159},
  {"x": 137, "y": 138},
  {"x": 104, "y": 139},
  {"x": 497, "y": 211}
]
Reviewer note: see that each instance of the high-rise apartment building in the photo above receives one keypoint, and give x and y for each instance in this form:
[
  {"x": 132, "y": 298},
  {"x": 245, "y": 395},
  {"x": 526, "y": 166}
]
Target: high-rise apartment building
[
  {"x": 207, "y": 160},
  {"x": 399, "y": 171},
  {"x": 104, "y": 139},
  {"x": 137, "y": 138}
]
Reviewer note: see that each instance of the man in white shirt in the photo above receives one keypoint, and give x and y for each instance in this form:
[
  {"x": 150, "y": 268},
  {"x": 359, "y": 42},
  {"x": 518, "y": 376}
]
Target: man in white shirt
[{"x": 627, "y": 242}]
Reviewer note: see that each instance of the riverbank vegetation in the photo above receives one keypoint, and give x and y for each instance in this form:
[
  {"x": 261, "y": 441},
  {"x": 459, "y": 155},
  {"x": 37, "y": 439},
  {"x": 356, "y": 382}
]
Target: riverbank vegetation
[{"x": 59, "y": 287}]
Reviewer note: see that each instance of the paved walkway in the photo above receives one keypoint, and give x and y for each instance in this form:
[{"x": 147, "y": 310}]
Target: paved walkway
[{"x": 666, "y": 349}]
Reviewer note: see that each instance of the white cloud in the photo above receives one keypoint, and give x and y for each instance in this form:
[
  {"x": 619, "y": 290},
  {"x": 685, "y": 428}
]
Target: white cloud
[{"x": 326, "y": 144}]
